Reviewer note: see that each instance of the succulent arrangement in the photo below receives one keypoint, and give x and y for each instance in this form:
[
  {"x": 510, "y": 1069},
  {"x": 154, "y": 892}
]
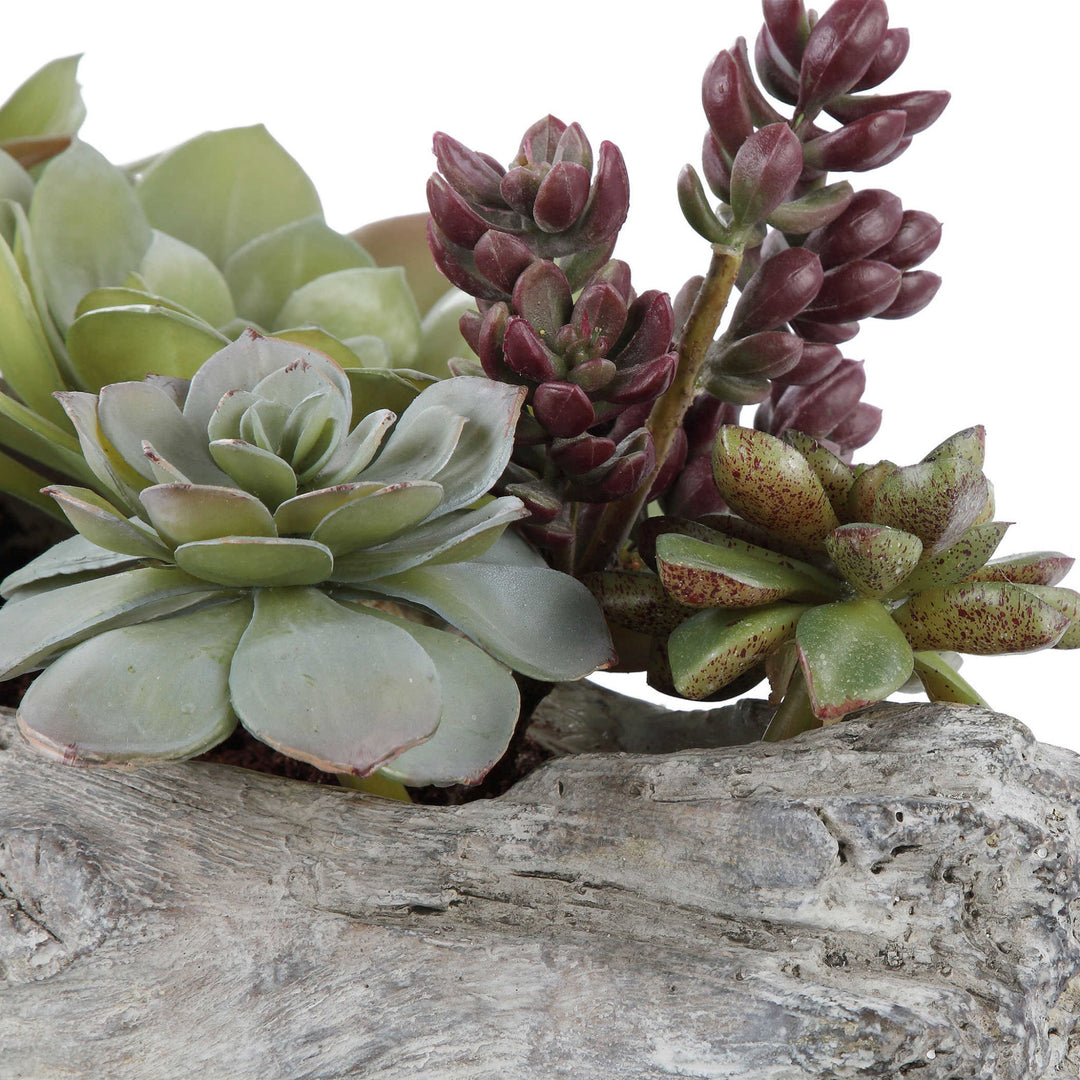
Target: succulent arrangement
[{"x": 329, "y": 500}]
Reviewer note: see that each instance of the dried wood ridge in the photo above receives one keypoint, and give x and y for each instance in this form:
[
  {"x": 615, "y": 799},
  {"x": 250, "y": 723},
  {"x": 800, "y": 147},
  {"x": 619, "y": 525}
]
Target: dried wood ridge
[{"x": 894, "y": 894}]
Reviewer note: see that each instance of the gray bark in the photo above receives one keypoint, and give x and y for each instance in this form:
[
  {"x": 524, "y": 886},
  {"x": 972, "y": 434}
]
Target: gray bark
[{"x": 897, "y": 893}]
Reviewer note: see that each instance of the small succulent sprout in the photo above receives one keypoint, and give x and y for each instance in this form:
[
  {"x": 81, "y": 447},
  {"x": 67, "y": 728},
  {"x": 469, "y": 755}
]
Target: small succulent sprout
[
  {"x": 843, "y": 585},
  {"x": 254, "y": 516}
]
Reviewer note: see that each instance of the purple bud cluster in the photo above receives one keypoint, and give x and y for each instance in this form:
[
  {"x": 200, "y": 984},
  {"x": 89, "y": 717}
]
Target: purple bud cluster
[
  {"x": 555, "y": 312},
  {"x": 833, "y": 256}
]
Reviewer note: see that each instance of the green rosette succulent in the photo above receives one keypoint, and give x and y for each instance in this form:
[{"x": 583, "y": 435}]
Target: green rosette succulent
[
  {"x": 270, "y": 534},
  {"x": 840, "y": 584}
]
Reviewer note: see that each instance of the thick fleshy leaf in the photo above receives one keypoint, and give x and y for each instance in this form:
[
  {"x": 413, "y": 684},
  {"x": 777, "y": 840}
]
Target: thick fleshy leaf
[
  {"x": 110, "y": 345},
  {"x": 873, "y": 558},
  {"x": 182, "y": 513},
  {"x": 354, "y": 453},
  {"x": 102, "y": 524},
  {"x": 483, "y": 449},
  {"x": 63, "y": 561},
  {"x": 852, "y": 654},
  {"x": 152, "y": 692},
  {"x": 268, "y": 269},
  {"x": 480, "y": 706},
  {"x": 1067, "y": 601},
  {"x": 376, "y": 389},
  {"x": 563, "y": 638},
  {"x": 1031, "y": 568},
  {"x": 247, "y": 561},
  {"x": 942, "y": 682},
  {"x": 359, "y": 301},
  {"x": 637, "y": 601},
  {"x": 955, "y": 563},
  {"x": 88, "y": 227},
  {"x": 25, "y": 357},
  {"x": 712, "y": 649},
  {"x": 133, "y": 413},
  {"x": 969, "y": 444},
  {"x": 300, "y": 515},
  {"x": 937, "y": 500},
  {"x": 47, "y": 103},
  {"x": 224, "y": 188},
  {"x": 378, "y": 518},
  {"x": 454, "y": 537},
  {"x": 34, "y": 630},
  {"x": 700, "y": 574},
  {"x": 836, "y": 476},
  {"x": 185, "y": 275},
  {"x": 985, "y": 618},
  {"x": 772, "y": 485},
  {"x": 330, "y": 684},
  {"x": 258, "y": 471}
]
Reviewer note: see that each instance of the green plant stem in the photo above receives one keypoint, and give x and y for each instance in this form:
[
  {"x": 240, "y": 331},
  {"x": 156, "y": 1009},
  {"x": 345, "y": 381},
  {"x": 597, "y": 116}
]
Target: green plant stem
[
  {"x": 613, "y": 528},
  {"x": 794, "y": 716}
]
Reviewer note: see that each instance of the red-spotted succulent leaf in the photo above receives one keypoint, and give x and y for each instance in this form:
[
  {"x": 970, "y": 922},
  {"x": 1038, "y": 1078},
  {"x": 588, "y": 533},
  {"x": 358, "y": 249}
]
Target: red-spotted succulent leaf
[
  {"x": 1031, "y": 568},
  {"x": 873, "y": 558}
]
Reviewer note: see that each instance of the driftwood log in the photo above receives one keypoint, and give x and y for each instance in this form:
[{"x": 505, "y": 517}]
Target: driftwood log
[{"x": 897, "y": 894}]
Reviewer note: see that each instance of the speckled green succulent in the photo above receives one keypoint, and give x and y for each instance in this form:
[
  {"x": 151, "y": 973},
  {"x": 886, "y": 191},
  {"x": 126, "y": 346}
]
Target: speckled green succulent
[
  {"x": 271, "y": 531},
  {"x": 839, "y": 584}
]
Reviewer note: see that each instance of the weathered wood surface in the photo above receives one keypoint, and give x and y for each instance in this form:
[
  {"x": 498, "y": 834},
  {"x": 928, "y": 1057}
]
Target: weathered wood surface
[{"x": 893, "y": 895}]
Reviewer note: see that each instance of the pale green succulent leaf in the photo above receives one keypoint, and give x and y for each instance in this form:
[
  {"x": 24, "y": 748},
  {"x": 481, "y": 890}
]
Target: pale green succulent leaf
[
  {"x": 419, "y": 445},
  {"x": 330, "y": 684},
  {"x": 299, "y": 516},
  {"x": 64, "y": 561},
  {"x": 370, "y": 351},
  {"x": 132, "y": 293},
  {"x": 120, "y": 481},
  {"x": 564, "y": 637},
  {"x": 480, "y": 705},
  {"x": 1030, "y": 568},
  {"x": 23, "y": 483},
  {"x": 269, "y": 268},
  {"x": 185, "y": 275},
  {"x": 852, "y": 655},
  {"x": 378, "y": 518},
  {"x": 34, "y": 630},
  {"x": 942, "y": 682},
  {"x": 220, "y": 190},
  {"x": 26, "y": 360},
  {"x": 772, "y": 485},
  {"x": 47, "y": 103},
  {"x": 17, "y": 185},
  {"x": 313, "y": 338},
  {"x": 132, "y": 414},
  {"x": 89, "y": 229},
  {"x": 874, "y": 559},
  {"x": 156, "y": 691},
  {"x": 700, "y": 574},
  {"x": 713, "y": 648},
  {"x": 984, "y": 618},
  {"x": 956, "y": 563},
  {"x": 355, "y": 452},
  {"x": 375, "y": 389},
  {"x": 109, "y": 345},
  {"x": 243, "y": 364},
  {"x": 102, "y": 524},
  {"x": 360, "y": 301},
  {"x": 40, "y": 440},
  {"x": 937, "y": 500},
  {"x": 183, "y": 513},
  {"x": 454, "y": 537},
  {"x": 257, "y": 471},
  {"x": 440, "y": 334},
  {"x": 248, "y": 561}
]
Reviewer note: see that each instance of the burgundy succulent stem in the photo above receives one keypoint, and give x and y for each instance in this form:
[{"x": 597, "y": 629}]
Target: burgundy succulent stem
[{"x": 666, "y": 417}]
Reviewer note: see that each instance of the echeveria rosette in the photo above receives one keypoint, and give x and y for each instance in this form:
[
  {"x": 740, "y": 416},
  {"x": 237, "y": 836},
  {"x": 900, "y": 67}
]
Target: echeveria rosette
[
  {"x": 254, "y": 515},
  {"x": 839, "y": 584}
]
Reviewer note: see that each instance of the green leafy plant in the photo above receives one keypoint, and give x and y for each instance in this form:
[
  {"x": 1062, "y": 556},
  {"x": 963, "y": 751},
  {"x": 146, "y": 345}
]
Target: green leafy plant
[
  {"x": 837, "y": 583},
  {"x": 253, "y": 516}
]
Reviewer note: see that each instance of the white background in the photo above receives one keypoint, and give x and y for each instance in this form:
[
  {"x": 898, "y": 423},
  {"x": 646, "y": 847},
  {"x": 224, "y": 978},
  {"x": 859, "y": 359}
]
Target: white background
[{"x": 354, "y": 93}]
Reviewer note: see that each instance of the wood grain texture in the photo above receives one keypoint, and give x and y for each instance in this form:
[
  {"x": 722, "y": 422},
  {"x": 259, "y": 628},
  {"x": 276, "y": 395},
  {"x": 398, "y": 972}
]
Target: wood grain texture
[{"x": 893, "y": 895}]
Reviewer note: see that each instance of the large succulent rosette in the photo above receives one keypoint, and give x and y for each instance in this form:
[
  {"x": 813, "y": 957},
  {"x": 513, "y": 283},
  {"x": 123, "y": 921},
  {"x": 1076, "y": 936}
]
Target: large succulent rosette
[{"x": 270, "y": 528}]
